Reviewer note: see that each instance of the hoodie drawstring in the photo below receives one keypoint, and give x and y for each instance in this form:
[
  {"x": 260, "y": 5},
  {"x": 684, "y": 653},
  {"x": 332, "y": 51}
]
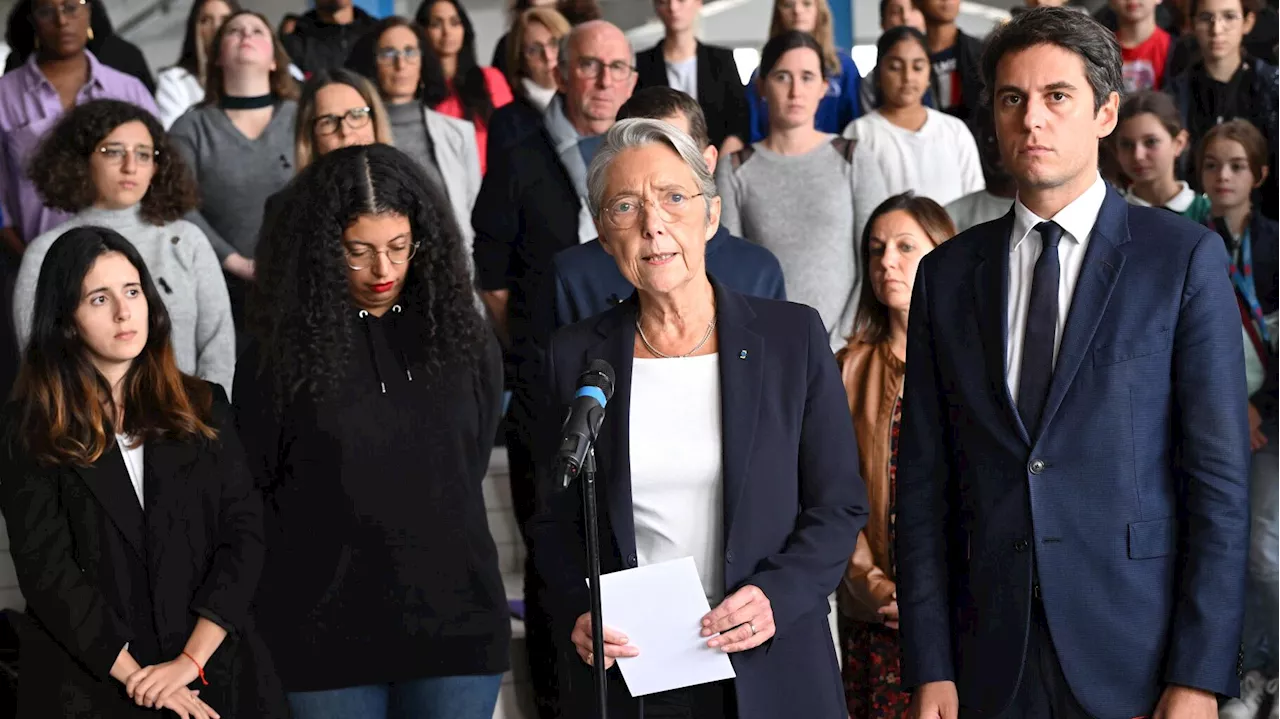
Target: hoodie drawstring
[{"x": 373, "y": 355}]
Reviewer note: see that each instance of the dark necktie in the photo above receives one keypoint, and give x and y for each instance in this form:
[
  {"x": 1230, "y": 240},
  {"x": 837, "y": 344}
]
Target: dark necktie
[{"x": 1042, "y": 328}]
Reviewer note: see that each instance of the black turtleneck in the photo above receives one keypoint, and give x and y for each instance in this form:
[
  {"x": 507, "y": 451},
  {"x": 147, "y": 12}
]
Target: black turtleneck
[{"x": 380, "y": 565}]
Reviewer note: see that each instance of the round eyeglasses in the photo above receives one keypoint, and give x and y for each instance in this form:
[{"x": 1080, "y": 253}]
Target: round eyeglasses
[{"x": 362, "y": 257}]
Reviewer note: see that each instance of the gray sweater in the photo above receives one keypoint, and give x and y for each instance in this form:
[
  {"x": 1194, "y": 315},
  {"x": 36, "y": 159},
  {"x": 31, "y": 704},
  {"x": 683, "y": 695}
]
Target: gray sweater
[
  {"x": 186, "y": 274},
  {"x": 809, "y": 210},
  {"x": 409, "y": 127},
  {"x": 235, "y": 174}
]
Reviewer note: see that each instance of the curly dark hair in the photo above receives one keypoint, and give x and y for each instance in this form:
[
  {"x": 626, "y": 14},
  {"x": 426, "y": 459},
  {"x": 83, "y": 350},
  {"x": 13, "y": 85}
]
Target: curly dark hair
[
  {"x": 60, "y": 167},
  {"x": 300, "y": 310},
  {"x": 469, "y": 80}
]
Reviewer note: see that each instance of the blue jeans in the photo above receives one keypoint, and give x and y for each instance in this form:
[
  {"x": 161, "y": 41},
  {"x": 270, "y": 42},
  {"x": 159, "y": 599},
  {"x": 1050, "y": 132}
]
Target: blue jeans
[
  {"x": 462, "y": 697},
  {"x": 1260, "y": 616}
]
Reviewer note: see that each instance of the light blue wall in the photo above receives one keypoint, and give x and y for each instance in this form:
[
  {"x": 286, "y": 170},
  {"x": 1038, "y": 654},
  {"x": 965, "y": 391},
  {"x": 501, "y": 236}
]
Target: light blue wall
[{"x": 842, "y": 21}]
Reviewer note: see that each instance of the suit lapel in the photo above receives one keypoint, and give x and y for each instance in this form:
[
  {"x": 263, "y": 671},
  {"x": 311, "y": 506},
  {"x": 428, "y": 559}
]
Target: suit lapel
[
  {"x": 109, "y": 481},
  {"x": 1098, "y": 276},
  {"x": 991, "y": 299},
  {"x": 705, "y": 80},
  {"x": 617, "y": 347},
  {"x": 742, "y": 361},
  {"x": 450, "y": 170}
]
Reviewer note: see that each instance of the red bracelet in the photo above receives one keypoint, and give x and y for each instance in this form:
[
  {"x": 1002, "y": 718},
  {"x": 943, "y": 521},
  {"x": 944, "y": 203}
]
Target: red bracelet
[{"x": 198, "y": 668}]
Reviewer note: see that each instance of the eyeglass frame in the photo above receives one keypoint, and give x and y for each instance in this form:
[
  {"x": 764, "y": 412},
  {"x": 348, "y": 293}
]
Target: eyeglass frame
[
  {"x": 1226, "y": 19},
  {"x": 535, "y": 50},
  {"x": 641, "y": 203},
  {"x": 413, "y": 252},
  {"x": 144, "y": 158},
  {"x": 388, "y": 55},
  {"x": 340, "y": 120},
  {"x": 68, "y": 8},
  {"x": 584, "y": 64}
]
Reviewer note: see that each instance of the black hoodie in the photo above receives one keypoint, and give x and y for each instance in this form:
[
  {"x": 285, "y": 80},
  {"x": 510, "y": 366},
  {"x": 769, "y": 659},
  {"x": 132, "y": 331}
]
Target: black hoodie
[
  {"x": 380, "y": 566},
  {"x": 316, "y": 45}
]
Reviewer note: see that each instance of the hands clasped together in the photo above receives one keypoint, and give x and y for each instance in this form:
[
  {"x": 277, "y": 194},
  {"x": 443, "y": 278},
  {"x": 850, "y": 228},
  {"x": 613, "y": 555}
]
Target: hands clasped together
[
  {"x": 164, "y": 686},
  {"x": 744, "y": 620}
]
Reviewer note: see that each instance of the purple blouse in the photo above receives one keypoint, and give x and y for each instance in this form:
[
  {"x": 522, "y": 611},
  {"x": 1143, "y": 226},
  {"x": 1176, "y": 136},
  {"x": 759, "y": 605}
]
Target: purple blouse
[{"x": 29, "y": 106}]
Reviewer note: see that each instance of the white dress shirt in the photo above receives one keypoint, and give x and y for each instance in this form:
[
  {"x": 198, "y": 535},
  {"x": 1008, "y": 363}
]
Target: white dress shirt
[{"x": 1076, "y": 220}]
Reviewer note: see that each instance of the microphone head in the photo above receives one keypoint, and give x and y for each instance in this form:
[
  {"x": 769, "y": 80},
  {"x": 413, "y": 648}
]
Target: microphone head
[{"x": 598, "y": 374}]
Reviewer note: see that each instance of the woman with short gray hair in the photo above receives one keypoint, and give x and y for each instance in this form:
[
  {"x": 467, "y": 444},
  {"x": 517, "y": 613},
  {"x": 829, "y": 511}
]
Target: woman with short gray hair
[{"x": 755, "y": 477}]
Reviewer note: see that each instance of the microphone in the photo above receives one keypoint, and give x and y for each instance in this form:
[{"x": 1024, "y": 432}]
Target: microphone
[{"x": 578, "y": 434}]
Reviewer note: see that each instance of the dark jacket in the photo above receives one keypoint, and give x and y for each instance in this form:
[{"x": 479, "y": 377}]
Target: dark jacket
[
  {"x": 720, "y": 91},
  {"x": 1264, "y": 241},
  {"x": 793, "y": 500},
  {"x": 1261, "y": 106},
  {"x": 1127, "y": 512},
  {"x": 98, "y": 572},
  {"x": 380, "y": 566},
  {"x": 526, "y": 212},
  {"x": 315, "y": 45},
  {"x": 968, "y": 65},
  {"x": 587, "y": 280}
]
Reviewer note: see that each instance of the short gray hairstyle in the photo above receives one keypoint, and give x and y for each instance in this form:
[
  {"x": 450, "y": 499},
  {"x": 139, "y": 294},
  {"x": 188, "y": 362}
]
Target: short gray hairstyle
[
  {"x": 566, "y": 44},
  {"x": 639, "y": 132}
]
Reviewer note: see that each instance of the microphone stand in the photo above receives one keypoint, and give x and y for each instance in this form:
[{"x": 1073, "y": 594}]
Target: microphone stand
[{"x": 590, "y": 514}]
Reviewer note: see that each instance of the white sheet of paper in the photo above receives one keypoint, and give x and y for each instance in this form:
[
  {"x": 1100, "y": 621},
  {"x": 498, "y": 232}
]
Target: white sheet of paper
[{"x": 660, "y": 609}]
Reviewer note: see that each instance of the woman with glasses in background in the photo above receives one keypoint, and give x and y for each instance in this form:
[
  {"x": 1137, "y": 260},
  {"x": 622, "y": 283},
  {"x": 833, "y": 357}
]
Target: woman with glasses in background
[
  {"x": 181, "y": 87},
  {"x": 239, "y": 142},
  {"x": 534, "y": 54},
  {"x": 502, "y": 57},
  {"x": 409, "y": 79},
  {"x": 474, "y": 92},
  {"x": 112, "y": 164},
  {"x": 369, "y": 398},
  {"x": 60, "y": 74}
]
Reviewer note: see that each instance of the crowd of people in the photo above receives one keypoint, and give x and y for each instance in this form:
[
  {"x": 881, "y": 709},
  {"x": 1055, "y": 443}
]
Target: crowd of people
[{"x": 982, "y": 342}]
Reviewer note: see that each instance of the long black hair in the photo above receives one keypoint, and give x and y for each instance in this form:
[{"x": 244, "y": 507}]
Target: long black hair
[
  {"x": 300, "y": 309},
  {"x": 363, "y": 58},
  {"x": 469, "y": 80},
  {"x": 65, "y": 406},
  {"x": 189, "y": 59}
]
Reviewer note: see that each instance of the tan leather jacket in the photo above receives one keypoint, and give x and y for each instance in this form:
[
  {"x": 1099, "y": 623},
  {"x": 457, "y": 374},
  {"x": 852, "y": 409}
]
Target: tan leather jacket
[{"x": 872, "y": 378}]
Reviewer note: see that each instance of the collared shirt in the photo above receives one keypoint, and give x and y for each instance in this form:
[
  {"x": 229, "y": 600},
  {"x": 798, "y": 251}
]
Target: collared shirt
[
  {"x": 29, "y": 107},
  {"x": 1076, "y": 220}
]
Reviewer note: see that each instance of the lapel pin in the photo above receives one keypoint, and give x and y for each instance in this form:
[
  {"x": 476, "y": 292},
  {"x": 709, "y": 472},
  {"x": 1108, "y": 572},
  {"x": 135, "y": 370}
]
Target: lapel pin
[{"x": 742, "y": 354}]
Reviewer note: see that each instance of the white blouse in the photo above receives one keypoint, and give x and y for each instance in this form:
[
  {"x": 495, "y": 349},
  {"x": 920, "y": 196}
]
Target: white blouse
[
  {"x": 132, "y": 463},
  {"x": 677, "y": 474}
]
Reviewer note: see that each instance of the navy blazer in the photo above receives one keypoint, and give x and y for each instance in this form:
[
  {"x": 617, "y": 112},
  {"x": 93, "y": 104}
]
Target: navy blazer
[
  {"x": 794, "y": 501},
  {"x": 587, "y": 281},
  {"x": 1129, "y": 507}
]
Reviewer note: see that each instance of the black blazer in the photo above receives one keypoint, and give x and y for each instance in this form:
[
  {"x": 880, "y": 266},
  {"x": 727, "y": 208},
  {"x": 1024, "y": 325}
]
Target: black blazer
[
  {"x": 98, "y": 572},
  {"x": 720, "y": 91},
  {"x": 794, "y": 501}
]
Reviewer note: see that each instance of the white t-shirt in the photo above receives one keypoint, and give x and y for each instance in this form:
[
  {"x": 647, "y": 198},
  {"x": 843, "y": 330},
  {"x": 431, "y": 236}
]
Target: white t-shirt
[
  {"x": 939, "y": 161},
  {"x": 176, "y": 92},
  {"x": 683, "y": 76},
  {"x": 976, "y": 208},
  {"x": 132, "y": 463},
  {"x": 677, "y": 474}
]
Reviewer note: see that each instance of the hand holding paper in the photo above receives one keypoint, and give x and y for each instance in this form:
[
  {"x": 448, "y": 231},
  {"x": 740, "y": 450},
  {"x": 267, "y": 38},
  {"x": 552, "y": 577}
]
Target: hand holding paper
[
  {"x": 744, "y": 620},
  {"x": 615, "y": 643},
  {"x": 659, "y": 608}
]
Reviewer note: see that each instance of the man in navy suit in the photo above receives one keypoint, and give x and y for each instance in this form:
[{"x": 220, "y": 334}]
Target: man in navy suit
[
  {"x": 586, "y": 279},
  {"x": 1071, "y": 501}
]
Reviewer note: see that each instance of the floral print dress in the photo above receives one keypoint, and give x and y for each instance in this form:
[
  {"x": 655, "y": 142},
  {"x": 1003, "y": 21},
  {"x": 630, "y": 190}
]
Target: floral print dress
[{"x": 872, "y": 679}]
